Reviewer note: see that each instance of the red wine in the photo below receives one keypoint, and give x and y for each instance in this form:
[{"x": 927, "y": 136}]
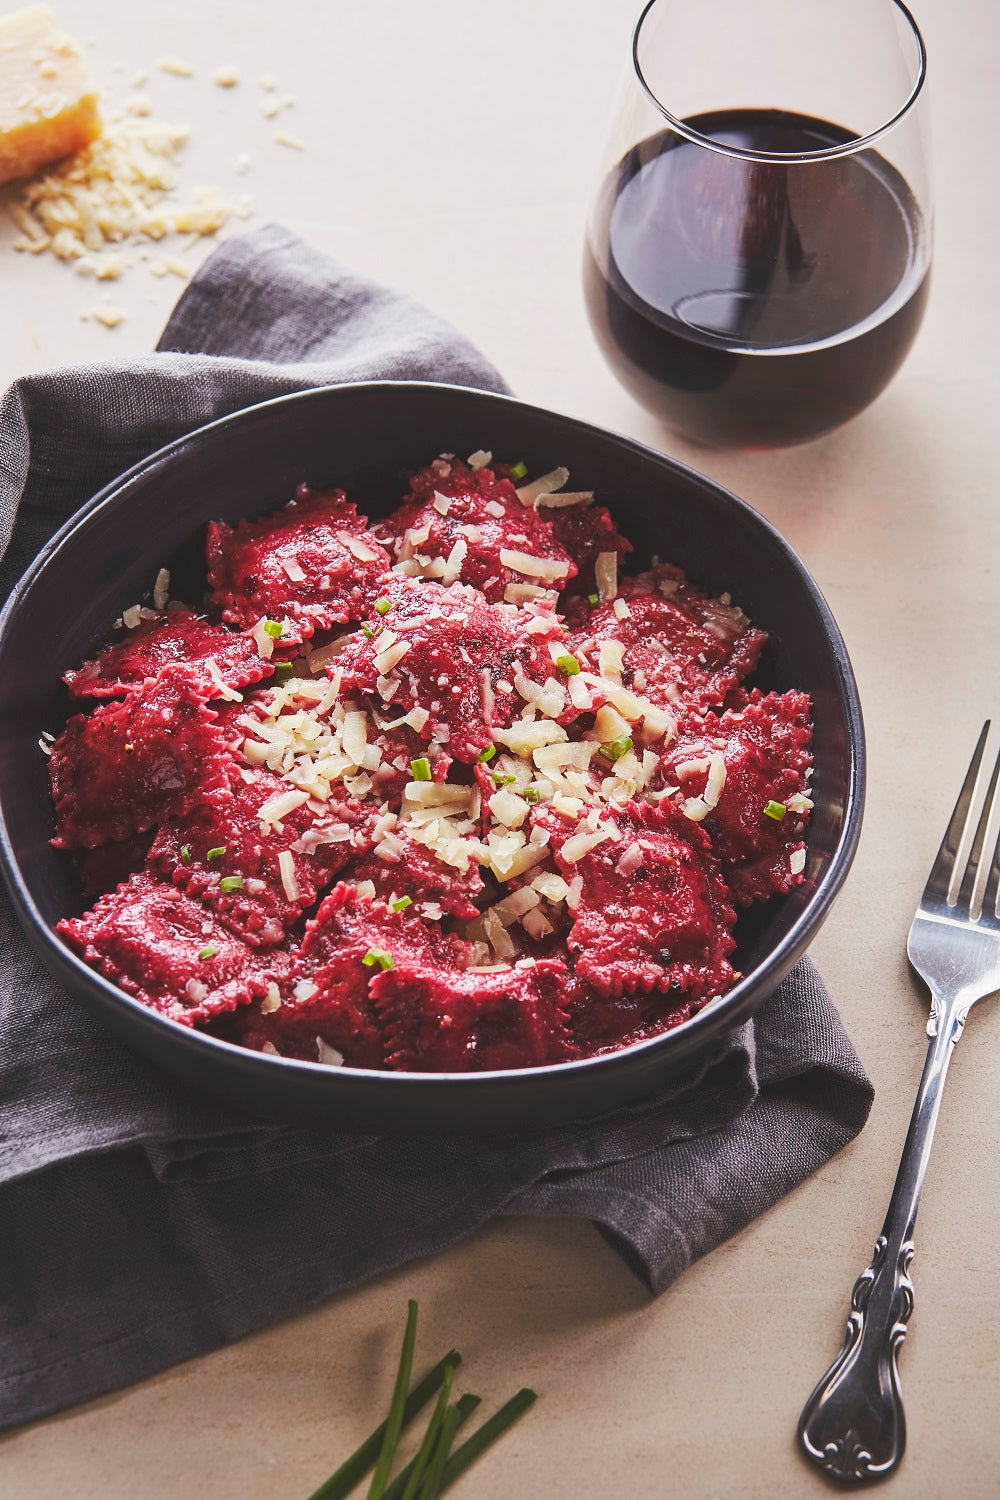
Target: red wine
[{"x": 755, "y": 303}]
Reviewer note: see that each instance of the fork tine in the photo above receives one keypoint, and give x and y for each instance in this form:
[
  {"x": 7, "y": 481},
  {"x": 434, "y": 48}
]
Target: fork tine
[
  {"x": 992, "y": 890},
  {"x": 943, "y": 867},
  {"x": 966, "y": 894}
]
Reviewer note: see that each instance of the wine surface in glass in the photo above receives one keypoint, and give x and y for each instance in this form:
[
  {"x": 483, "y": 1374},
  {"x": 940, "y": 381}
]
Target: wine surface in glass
[{"x": 749, "y": 303}]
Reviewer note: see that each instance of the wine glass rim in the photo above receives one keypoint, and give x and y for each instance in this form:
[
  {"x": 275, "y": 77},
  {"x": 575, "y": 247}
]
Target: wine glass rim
[{"x": 846, "y": 148}]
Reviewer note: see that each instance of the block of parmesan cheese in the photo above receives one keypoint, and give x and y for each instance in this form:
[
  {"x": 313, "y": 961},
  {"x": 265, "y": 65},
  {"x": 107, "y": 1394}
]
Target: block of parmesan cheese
[{"x": 48, "y": 105}]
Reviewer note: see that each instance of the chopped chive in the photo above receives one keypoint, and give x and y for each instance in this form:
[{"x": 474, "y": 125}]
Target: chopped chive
[
  {"x": 442, "y": 1448},
  {"x": 274, "y": 629},
  {"x": 209, "y": 951},
  {"x": 377, "y": 956},
  {"x": 383, "y": 606},
  {"x": 775, "y": 810},
  {"x": 231, "y": 883},
  {"x": 503, "y": 778},
  {"x": 531, "y": 794},
  {"x": 353, "y": 1469},
  {"x": 484, "y": 1436},
  {"x": 216, "y": 853},
  {"x": 593, "y": 598},
  {"x": 568, "y": 664},
  {"x": 427, "y": 1447},
  {"x": 465, "y": 1406},
  {"x": 421, "y": 769},
  {"x": 185, "y": 854},
  {"x": 371, "y": 631},
  {"x": 518, "y": 470},
  {"x": 282, "y": 670},
  {"x": 394, "y": 1422},
  {"x": 616, "y": 749},
  {"x": 487, "y": 754},
  {"x": 402, "y": 903}
]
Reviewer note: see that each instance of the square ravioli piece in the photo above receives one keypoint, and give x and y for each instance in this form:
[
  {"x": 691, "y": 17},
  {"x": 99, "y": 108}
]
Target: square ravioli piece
[
  {"x": 254, "y": 859},
  {"x": 742, "y": 775},
  {"x": 323, "y": 1004},
  {"x": 219, "y": 658},
  {"x": 451, "y": 1022},
  {"x": 682, "y": 648},
  {"x": 314, "y": 563},
  {"x": 126, "y": 767},
  {"x": 462, "y": 525},
  {"x": 458, "y": 659},
  {"x": 651, "y": 911},
  {"x": 165, "y": 950}
]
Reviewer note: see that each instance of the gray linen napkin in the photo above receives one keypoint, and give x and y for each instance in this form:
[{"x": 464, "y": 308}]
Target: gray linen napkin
[{"x": 142, "y": 1224}]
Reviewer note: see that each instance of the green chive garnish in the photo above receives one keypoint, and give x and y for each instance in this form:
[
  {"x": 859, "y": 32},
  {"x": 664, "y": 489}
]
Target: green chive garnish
[
  {"x": 421, "y": 769},
  {"x": 208, "y": 952},
  {"x": 185, "y": 854},
  {"x": 274, "y": 629},
  {"x": 429, "y": 1444},
  {"x": 775, "y": 810},
  {"x": 231, "y": 883},
  {"x": 282, "y": 670},
  {"x": 465, "y": 1406},
  {"x": 503, "y": 778},
  {"x": 616, "y": 749},
  {"x": 531, "y": 794},
  {"x": 353, "y": 1469},
  {"x": 593, "y": 598},
  {"x": 383, "y": 606},
  {"x": 376, "y": 956},
  {"x": 568, "y": 664},
  {"x": 402, "y": 903},
  {"x": 216, "y": 853},
  {"x": 487, "y": 754},
  {"x": 518, "y": 470},
  {"x": 371, "y": 631},
  {"x": 484, "y": 1436},
  {"x": 442, "y": 1448},
  {"x": 394, "y": 1422}
]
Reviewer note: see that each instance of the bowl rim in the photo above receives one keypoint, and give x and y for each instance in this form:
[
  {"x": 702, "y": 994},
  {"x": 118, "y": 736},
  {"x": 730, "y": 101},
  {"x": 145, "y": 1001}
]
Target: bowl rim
[{"x": 61, "y": 960}]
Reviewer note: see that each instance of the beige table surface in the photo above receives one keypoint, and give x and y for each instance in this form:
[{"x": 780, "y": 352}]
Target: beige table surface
[{"x": 450, "y": 149}]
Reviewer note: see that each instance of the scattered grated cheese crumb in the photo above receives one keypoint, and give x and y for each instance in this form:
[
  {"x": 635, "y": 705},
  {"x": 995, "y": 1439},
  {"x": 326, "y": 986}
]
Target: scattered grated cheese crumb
[
  {"x": 282, "y": 138},
  {"x": 161, "y": 589},
  {"x": 226, "y": 76},
  {"x": 175, "y": 66},
  {"x": 107, "y": 312},
  {"x": 169, "y": 265},
  {"x": 547, "y": 484},
  {"x": 289, "y": 884},
  {"x": 327, "y": 1055},
  {"x": 271, "y": 1001},
  {"x": 606, "y": 575}
]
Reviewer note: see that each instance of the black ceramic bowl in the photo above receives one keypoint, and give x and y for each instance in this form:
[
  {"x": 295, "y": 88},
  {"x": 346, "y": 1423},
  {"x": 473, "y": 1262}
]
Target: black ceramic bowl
[{"x": 368, "y": 438}]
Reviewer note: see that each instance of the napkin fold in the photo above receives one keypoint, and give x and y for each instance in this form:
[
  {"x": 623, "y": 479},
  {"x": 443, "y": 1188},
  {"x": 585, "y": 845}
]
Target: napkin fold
[{"x": 143, "y": 1224}]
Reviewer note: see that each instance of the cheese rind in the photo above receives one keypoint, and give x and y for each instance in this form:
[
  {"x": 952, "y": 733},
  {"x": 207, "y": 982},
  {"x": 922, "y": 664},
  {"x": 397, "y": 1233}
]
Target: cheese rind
[{"x": 48, "y": 105}]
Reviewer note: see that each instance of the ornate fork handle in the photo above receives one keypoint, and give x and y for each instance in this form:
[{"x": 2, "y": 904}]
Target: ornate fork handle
[{"x": 853, "y": 1425}]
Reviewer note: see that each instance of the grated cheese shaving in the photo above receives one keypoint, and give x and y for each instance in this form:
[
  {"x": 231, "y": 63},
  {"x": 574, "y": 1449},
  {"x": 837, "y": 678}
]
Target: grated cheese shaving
[
  {"x": 531, "y": 566},
  {"x": 546, "y": 484}
]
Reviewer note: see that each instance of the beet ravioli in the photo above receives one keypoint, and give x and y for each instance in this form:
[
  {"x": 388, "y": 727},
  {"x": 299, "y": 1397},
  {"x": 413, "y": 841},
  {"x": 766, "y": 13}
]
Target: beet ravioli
[{"x": 442, "y": 793}]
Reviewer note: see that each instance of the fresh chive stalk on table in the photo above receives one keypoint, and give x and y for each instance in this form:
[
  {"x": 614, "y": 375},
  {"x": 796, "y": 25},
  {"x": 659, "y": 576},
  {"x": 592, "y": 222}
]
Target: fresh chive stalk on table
[{"x": 435, "y": 1467}]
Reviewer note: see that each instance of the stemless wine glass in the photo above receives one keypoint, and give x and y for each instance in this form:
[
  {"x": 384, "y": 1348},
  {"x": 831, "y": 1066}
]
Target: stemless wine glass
[{"x": 758, "y": 254}]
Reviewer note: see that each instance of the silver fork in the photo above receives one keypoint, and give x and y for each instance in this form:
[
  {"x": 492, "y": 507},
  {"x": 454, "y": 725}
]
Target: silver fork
[{"x": 853, "y": 1424}]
